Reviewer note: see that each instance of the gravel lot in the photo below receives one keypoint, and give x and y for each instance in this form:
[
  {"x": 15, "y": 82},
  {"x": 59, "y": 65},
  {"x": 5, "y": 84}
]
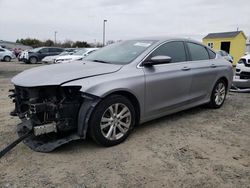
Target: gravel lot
[{"x": 195, "y": 148}]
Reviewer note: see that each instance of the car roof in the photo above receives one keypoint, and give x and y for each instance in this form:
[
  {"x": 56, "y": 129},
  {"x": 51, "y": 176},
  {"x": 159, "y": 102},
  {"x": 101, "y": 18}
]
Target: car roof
[
  {"x": 165, "y": 38},
  {"x": 161, "y": 39},
  {"x": 50, "y": 47}
]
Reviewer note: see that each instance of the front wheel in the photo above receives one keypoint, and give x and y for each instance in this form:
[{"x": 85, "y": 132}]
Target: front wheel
[
  {"x": 33, "y": 60},
  {"x": 112, "y": 120},
  {"x": 218, "y": 95}
]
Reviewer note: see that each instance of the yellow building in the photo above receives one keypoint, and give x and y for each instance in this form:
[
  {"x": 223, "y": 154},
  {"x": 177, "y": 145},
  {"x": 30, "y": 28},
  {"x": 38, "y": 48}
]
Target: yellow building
[{"x": 232, "y": 42}]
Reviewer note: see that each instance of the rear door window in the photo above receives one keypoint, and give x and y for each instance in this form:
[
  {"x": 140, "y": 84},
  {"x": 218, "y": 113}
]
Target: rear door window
[
  {"x": 197, "y": 52},
  {"x": 175, "y": 50}
]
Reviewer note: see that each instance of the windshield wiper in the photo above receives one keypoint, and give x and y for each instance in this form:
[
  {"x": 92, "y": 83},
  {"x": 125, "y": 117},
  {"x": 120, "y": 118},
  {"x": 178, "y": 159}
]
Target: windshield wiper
[{"x": 100, "y": 61}]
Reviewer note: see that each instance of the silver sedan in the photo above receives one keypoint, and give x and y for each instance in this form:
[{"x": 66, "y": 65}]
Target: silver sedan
[{"x": 118, "y": 87}]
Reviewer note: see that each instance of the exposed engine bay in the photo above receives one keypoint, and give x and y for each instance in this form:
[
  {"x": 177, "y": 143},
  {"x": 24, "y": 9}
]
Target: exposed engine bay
[
  {"x": 50, "y": 113},
  {"x": 48, "y": 105}
]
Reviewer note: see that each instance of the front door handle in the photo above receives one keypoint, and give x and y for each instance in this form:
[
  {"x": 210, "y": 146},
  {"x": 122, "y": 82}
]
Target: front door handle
[
  {"x": 213, "y": 66},
  {"x": 185, "y": 68}
]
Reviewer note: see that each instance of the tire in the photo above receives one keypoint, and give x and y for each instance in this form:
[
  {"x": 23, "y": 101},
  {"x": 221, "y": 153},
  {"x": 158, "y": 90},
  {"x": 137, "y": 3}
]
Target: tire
[
  {"x": 33, "y": 60},
  {"x": 218, "y": 95},
  {"x": 111, "y": 129},
  {"x": 7, "y": 58}
]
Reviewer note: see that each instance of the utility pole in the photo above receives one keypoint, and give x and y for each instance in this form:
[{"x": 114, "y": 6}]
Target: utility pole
[
  {"x": 104, "y": 21},
  {"x": 55, "y": 37}
]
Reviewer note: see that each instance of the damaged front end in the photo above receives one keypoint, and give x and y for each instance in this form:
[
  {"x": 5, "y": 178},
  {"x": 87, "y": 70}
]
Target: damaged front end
[{"x": 50, "y": 113}]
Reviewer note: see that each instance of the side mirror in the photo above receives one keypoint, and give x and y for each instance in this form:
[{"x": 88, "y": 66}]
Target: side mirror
[{"x": 156, "y": 60}]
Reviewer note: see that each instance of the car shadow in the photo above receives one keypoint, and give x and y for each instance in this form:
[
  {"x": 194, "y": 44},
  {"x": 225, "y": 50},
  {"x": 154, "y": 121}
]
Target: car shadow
[{"x": 88, "y": 143}]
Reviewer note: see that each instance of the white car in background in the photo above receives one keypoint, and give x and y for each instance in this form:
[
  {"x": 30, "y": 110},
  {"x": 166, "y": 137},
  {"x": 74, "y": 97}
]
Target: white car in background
[
  {"x": 51, "y": 59},
  {"x": 6, "y": 55},
  {"x": 79, "y": 55},
  {"x": 242, "y": 74},
  {"x": 226, "y": 55}
]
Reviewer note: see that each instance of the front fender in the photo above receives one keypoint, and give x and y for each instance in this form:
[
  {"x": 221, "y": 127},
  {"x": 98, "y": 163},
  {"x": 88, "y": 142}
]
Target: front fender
[{"x": 103, "y": 85}]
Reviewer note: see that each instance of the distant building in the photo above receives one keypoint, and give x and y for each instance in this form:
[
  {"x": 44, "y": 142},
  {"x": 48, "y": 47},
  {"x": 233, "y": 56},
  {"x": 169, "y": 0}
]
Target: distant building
[
  {"x": 13, "y": 45},
  {"x": 232, "y": 42}
]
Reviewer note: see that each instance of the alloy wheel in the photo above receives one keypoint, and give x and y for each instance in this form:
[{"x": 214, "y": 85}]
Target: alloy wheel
[
  {"x": 115, "y": 121},
  {"x": 220, "y": 93},
  {"x": 33, "y": 60}
]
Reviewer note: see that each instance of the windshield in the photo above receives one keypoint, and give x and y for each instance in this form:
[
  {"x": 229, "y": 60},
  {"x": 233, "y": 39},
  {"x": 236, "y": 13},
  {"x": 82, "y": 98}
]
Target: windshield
[
  {"x": 121, "y": 52},
  {"x": 80, "y": 52}
]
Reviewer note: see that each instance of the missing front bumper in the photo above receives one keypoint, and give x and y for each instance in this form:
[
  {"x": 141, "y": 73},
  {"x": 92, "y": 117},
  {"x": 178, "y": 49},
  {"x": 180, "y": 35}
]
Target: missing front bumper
[{"x": 46, "y": 142}]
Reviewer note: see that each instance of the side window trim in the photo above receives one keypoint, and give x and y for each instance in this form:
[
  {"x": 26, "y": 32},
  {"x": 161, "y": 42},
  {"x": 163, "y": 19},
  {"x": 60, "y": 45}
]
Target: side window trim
[{"x": 187, "y": 52}]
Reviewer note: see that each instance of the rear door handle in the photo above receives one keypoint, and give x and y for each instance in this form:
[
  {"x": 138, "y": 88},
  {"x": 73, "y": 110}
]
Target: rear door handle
[
  {"x": 185, "y": 68},
  {"x": 213, "y": 66}
]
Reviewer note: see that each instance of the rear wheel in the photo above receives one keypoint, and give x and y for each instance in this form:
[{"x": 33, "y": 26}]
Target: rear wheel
[
  {"x": 7, "y": 58},
  {"x": 33, "y": 60},
  {"x": 218, "y": 94},
  {"x": 112, "y": 120}
]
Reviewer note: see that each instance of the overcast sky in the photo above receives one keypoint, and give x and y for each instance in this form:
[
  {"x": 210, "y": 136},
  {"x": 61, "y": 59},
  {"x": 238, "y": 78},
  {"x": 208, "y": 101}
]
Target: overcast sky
[{"x": 82, "y": 20}]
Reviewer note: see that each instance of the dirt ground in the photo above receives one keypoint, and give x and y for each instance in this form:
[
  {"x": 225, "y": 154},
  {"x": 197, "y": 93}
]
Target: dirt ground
[{"x": 195, "y": 148}]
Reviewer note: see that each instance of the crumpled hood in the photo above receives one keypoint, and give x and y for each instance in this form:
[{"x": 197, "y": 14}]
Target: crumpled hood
[{"x": 58, "y": 74}]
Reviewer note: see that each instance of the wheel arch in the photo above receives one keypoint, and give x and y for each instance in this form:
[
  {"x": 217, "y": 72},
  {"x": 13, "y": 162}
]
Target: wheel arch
[
  {"x": 132, "y": 98},
  {"x": 7, "y": 56},
  {"x": 90, "y": 103},
  {"x": 225, "y": 80}
]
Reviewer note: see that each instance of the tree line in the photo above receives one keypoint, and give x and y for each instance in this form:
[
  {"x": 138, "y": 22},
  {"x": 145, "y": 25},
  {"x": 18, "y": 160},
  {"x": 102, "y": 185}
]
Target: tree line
[{"x": 66, "y": 44}]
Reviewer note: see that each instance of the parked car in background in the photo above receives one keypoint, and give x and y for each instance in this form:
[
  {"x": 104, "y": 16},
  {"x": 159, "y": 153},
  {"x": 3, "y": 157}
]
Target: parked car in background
[
  {"x": 6, "y": 55},
  {"x": 51, "y": 59},
  {"x": 242, "y": 74},
  {"x": 116, "y": 88},
  {"x": 226, "y": 55},
  {"x": 21, "y": 55},
  {"x": 37, "y": 54},
  {"x": 79, "y": 55}
]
